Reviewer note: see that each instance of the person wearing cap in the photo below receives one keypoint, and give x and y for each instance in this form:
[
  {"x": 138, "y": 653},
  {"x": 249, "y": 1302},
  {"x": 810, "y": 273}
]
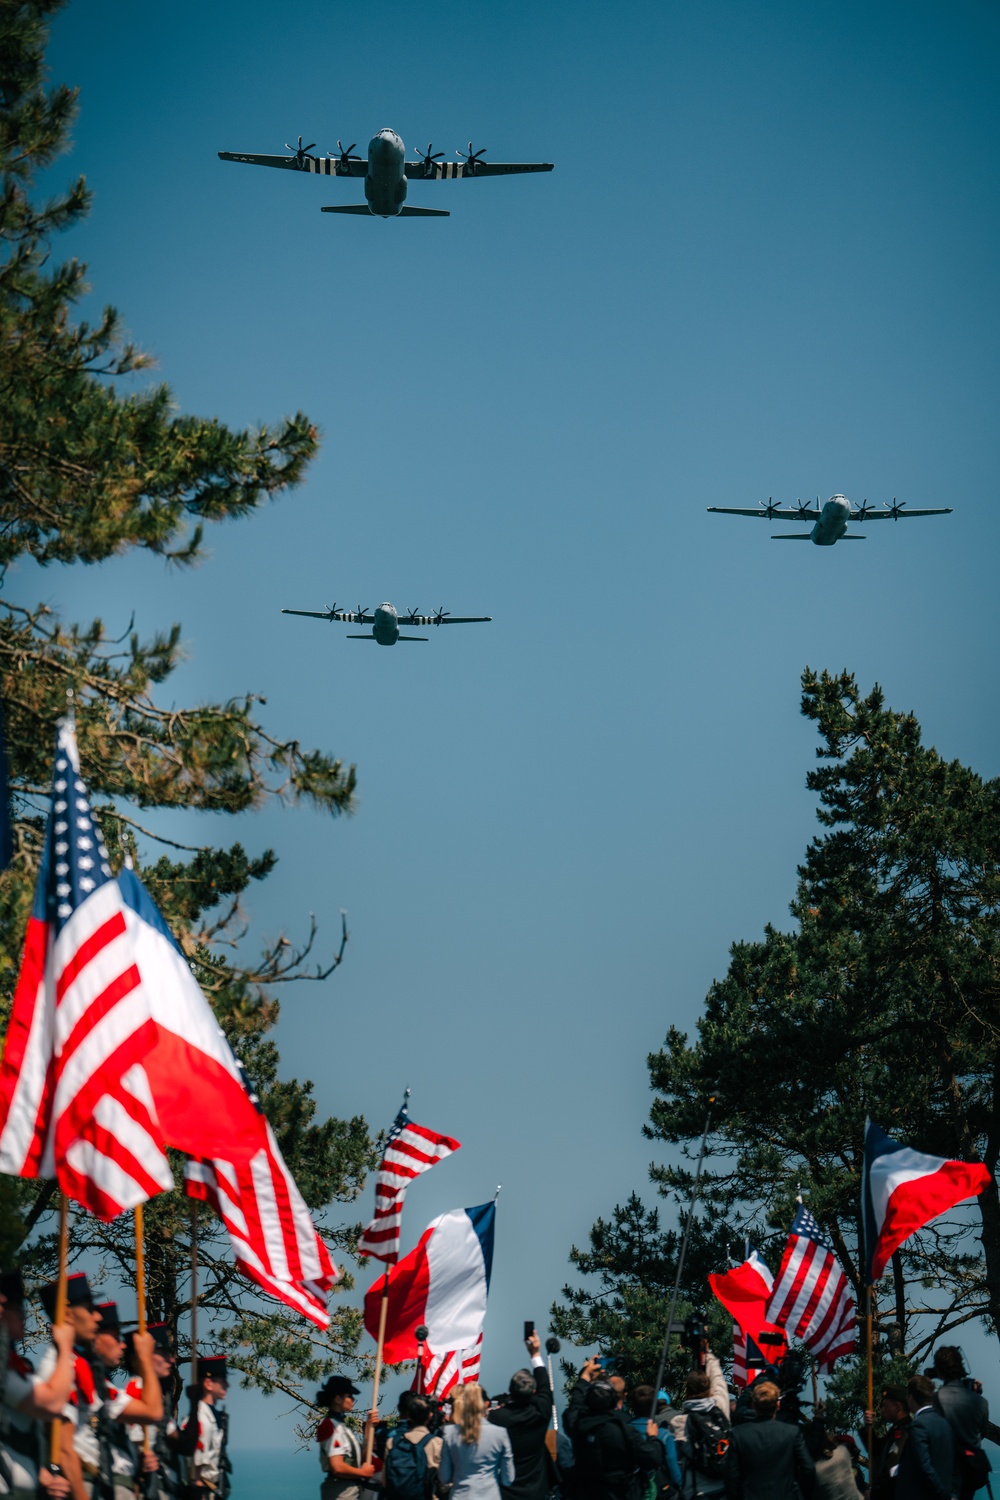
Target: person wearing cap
[
  {"x": 341, "y": 1455},
  {"x": 159, "y": 1463},
  {"x": 86, "y": 1455},
  {"x": 211, "y": 1466},
  {"x": 27, "y": 1398}
]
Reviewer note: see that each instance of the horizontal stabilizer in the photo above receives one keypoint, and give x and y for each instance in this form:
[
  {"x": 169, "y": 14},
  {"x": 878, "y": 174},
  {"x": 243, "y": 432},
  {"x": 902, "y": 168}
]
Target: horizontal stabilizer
[
  {"x": 852, "y": 536},
  {"x": 405, "y": 213},
  {"x": 793, "y": 536},
  {"x": 359, "y": 637},
  {"x": 346, "y": 208},
  {"x": 425, "y": 213},
  {"x": 413, "y": 637}
]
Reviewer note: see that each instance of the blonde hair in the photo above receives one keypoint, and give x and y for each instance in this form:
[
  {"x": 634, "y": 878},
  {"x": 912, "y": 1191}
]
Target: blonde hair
[
  {"x": 467, "y": 1410},
  {"x": 765, "y": 1396}
]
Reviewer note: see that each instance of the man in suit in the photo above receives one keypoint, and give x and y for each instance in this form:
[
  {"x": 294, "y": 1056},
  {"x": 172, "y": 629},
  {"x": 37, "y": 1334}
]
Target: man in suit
[
  {"x": 526, "y": 1418},
  {"x": 768, "y": 1460},
  {"x": 927, "y": 1462}
]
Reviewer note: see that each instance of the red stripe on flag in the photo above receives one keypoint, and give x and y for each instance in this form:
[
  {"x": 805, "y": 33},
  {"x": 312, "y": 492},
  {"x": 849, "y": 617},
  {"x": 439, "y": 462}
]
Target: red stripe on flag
[{"x": 89, "y": 949}]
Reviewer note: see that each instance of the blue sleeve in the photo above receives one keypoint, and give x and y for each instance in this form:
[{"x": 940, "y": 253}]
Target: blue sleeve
[
  {"x": 506, "y": 1461},
  {"x": 444, "y": 1472},
  {"x": 669, "y": 1447}
]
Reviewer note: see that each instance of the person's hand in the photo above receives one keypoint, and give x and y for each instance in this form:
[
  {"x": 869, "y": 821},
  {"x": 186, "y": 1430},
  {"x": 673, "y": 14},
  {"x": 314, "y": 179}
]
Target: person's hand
[
  {"x": 56, "y": 1485},
  {"x": 590, "y": 1368},
  {"x": 869, "y": 1419},
  {"x": 651, "y": 1429},
  {"x": 143, "y": 1344},
  {"x": 366, "y": 1471},
  {"x": 534, "y": 1343},
  {"x": 150, "y": 1463},
  {"x": 64, "y": 1337}
]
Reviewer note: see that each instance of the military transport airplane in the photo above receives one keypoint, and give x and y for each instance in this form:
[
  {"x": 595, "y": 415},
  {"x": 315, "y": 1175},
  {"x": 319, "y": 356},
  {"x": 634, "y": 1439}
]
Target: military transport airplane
[
  {"x": 387, "y": 173},
  {"x": 385, "y": 622},
  {"x": 830, "y": 520}
]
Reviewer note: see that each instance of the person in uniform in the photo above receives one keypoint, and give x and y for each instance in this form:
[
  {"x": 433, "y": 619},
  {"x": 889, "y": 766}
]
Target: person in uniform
[
  {"x": 211, "y": 1464},
  {"x": 341, "y": 1454},
  {"x": 87, "y": 1456},
  {"x": 160, "y": 1473},
  {"x": 27, "y": 1398}
]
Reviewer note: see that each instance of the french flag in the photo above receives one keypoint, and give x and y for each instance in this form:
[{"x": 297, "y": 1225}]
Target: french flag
[
  {"x": 443, "y": 1283},
  {"x": 745, "y": 1292},
  {"x": 904, "y": 1189}
]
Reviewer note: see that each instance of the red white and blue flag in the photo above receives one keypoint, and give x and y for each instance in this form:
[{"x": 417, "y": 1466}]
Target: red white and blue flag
[
  {"x": 443, "y": 1284},
  {"x": 442, "y": 1372},
  {"x": 903, "y": 1190},
  {"x": 811, "y": 1299},
  {"x": 75, "y": 1100},
  {"x": 208, "y": 1109},
  {"x": 745, "y": 1291},
  {"x": 410, "y": 1150}
]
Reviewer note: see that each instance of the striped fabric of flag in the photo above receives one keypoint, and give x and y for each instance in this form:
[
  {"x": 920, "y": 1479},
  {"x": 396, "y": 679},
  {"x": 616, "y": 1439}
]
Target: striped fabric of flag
[
  {"x": 274, "y": 1240},
  {"x": 75, "y": 1101},
  {"x": 442, "y": 1372},
  {"x": 811, "y": 1299},
  {"x": 410, "y": 1150}
]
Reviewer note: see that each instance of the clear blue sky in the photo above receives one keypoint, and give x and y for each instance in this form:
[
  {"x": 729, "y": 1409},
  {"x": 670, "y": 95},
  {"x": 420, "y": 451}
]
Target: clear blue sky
[{"x": 766, "y": 264}]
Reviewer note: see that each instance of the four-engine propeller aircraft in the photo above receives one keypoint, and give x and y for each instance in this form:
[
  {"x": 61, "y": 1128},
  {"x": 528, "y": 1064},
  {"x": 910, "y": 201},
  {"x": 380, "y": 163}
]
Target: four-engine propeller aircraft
[
  {"x": 830, "y": 520},
  {"x": 387, "y": 173},
  {"x": 385, "y": 622}
]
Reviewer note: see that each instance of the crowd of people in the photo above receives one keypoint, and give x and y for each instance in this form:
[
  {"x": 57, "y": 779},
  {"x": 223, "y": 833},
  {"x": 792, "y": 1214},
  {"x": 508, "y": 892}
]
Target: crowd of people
[
  {"x": 622, "y": 1442},
  {"x": 70, "y": 1430}
]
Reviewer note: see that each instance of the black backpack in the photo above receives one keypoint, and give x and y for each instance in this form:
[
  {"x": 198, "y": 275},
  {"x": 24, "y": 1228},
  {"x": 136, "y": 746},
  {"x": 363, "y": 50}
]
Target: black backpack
[
  {"x": 707, "y": 1438},
  {"x": 406, "y": 1474}
]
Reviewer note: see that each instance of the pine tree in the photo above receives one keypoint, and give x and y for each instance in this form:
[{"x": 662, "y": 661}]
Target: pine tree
[
  {"x": 883, "y": 1001},
  {"x": 93, "y": 464}
]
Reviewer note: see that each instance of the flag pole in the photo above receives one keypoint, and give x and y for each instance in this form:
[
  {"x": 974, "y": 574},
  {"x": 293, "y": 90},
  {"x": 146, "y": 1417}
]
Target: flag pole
[
  {"x": 55, "y": 1435},
  {"x": 194, "y": 1328},
  {"x": 680, "y": 1259},
  {"x": 383, "y": 1314},
  {"x": 140, "y": 1287},
  {"x": 868, "y": 1353}
]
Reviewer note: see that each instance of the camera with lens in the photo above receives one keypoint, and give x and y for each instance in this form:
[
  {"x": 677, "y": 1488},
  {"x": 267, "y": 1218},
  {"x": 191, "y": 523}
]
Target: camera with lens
[
  {"x": 694, "y": 1335},
  {"x": 612, "y": 1364}
]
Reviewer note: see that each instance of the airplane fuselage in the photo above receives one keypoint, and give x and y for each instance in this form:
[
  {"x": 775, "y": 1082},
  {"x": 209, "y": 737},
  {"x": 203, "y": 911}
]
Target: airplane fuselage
[
  {"x": 832, "y": 522},
  {"x": 385, "y": 184},
  {"x": 386, "y": 627}
]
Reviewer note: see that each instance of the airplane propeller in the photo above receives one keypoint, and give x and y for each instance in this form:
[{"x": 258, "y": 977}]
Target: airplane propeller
[
  {"x": 345, "y": 156},
  {"x": 471, "y": 158},
  {"x": 439, "y": 617},
  {"x": 332, "y": 612},
  {"x": 862, "y": 510},
  {"x": 802, "y": 506},
  {"x": 429, "y": 157},
  {"x": 301, "y": 152},
  {"x": 895, "y": 510},
  {"x": 770, "y": 510},
  {"x": 362, "y": 610},
  {"x": 412, "y": 617}
]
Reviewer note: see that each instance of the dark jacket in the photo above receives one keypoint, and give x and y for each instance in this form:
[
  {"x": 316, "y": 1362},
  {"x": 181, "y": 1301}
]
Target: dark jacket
[
  {"x": 768, "y": 1460},
  {"x": 607, "y": 1450},
  {"x": 886, "y": 1454},
  {"x": 965, "y": 1412},
  {"x": 527, "y": 1423},
  {"x": 927, "y": 1463}
]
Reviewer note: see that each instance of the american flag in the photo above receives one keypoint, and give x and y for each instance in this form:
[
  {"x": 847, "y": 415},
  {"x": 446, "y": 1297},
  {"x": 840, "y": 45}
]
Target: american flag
[
  {"x": 75, "y": 1101},
  {"x": 410, "y": 1150},
  {"x": 739, "y": 1357},
  {"x": 442, "y": 1372},
  {"x": 274, "y": 1240},
  {"x": 811, "y": 1299}
]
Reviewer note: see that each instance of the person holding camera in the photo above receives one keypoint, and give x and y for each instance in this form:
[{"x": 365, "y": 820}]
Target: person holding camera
[
  {"x": 961, "y": 1402},
  {"x": 525, "y": 1417},
  {"x": 608, "y": 1452},
  {"x": 702, "y": 1429},
  {"x": 768, "y": 1460}
]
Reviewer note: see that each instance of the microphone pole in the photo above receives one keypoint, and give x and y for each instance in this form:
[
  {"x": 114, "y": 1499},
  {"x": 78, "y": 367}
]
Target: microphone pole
[{"x": 680, "y": 1259}]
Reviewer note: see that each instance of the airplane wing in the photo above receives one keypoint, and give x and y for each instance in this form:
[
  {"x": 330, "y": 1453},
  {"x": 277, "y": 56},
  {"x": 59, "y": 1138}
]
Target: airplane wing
[
  {"x": 344, "y": 616},
  {"x": 326, "y": 166},
  {"x": 898, "y": 513},
  {"x": 769, "y": 513},
  {"x": 444, "y": 619},
  {"x": 448, "y": 171}
]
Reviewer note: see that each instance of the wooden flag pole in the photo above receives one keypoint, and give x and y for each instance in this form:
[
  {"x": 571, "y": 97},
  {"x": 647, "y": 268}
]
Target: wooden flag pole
[
  {"x": 373, "y": 1414},
  {"x": 55, "y": 1434},
  {"x": 868, "y": 1354},
  {"x": 140, "y": 1287}
]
